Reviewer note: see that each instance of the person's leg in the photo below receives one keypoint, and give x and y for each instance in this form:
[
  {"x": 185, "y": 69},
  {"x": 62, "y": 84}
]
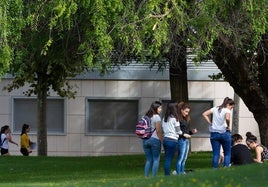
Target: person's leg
[
  {"x": 156, "y": 150},
  {"x": 226, "y": 145},
  {"x": 216, "y": 146},
  {"x": 170, "y": 148},
  {"x": 185, "y": 155},
  {"x": 24, "y": 152},
  {"x": 180, "y": 155},
  {"x": 4, "y": 152},
  {"x": 149, "y": 157}
]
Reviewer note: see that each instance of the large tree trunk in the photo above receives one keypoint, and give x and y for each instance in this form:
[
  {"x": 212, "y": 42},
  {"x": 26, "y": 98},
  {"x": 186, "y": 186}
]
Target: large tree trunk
[
  {"x": 262, "y": 120},
  {"x": 237, "y": 70},
  {"x": 178, "y": 85},
  {"x": 177, "y": 58},
  {"x": 41, "y": 121}
]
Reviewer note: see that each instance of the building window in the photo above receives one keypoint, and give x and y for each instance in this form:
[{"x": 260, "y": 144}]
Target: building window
[
  {"x": 25, "y": 111},
  {"x": 197, "y": 120},
  {"x": 111, "y": 116}
]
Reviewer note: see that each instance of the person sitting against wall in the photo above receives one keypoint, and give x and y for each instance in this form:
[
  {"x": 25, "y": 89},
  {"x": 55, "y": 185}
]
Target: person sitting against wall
[
  {"x": 260, "y": 150},
  {"x": 240, "y": 153}
]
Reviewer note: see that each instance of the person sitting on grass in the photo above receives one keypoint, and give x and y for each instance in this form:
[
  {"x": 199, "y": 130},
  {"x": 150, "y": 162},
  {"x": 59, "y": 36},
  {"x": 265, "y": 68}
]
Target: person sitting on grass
[
  {"x": 260, "y": 150},
  {"x": 240, "y": 153}
]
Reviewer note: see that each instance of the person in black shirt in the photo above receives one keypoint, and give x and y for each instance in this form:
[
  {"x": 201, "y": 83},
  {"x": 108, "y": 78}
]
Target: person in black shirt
[
  {"x": 240, "y": 153},
  {"x": 184, "y": 138}
]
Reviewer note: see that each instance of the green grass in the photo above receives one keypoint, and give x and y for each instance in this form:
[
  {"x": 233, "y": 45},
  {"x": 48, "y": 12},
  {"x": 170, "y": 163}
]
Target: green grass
[{"x": 123, "y": 171}]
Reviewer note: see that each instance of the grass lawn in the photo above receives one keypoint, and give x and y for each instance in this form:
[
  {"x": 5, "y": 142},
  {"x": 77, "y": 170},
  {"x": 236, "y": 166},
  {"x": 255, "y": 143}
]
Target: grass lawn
[{"x": 123, "y": 171}]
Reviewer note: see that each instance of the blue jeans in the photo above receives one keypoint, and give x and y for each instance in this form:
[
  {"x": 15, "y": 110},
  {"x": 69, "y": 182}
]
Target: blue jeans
[
  {"x": 152, "y": 150},
  {"x": 170, "y": 147},
  {"x": 183, "y": 149},
  {"x": 217, "y": 140}
]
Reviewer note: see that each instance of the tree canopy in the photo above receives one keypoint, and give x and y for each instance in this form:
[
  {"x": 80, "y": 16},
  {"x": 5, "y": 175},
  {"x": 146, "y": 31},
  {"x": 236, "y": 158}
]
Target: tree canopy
[
  {"x": 43, "y": 42},
  {"x": 234, "y": 35},
  {"x": 10, "y": 27},
  {"x": 56, "y": 40}
]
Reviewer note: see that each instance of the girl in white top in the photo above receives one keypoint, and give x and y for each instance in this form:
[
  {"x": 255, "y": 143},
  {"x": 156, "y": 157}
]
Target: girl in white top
[
  {"x": 156, "y": 125},
  {"x": 171, "y": 128},
  {"x": 171, "y": 131},
  {"x": 220, "y": 131},
  {"x": 152, "y": 145},
  {"x": 220, "y": 120},
  {"x": 5, "y": 138}
]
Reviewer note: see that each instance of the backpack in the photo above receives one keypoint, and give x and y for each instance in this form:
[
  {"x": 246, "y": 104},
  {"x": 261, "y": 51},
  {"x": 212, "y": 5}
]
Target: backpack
[
  {"x": 1, "y": 142},
  {"x": 144, "y": 128}
]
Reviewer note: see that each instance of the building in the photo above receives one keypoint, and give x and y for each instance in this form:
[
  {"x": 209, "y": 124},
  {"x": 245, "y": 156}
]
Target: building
[{"x": 101, "y": 119}]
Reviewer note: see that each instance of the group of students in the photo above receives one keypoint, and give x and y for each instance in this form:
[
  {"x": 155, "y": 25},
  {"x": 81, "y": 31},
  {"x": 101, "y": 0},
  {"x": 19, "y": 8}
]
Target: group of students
[
  {"x": 173, "y": 132},
  {"x": 235, "y": 153},
  {"x": 6, "y": 137}
]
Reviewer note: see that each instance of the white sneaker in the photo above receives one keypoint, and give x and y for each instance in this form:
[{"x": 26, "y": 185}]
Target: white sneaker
[{"x": 174, "y": 172}]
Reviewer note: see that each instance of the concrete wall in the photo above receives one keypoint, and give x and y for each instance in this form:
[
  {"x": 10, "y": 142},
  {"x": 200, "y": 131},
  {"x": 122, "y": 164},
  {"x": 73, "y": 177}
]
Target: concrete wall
[{"x": 76, "y": 143}]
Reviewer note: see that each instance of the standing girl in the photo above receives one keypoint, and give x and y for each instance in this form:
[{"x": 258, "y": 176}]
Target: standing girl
[
  {"x": 25, "y": 140},
  {"x": 152, "y": 145},
  {"x": 5, "y": 138},
  {"x": 220, "y": 134},
  {"x": 171, "y": 131},
  {"x": 183, "y": 141}
]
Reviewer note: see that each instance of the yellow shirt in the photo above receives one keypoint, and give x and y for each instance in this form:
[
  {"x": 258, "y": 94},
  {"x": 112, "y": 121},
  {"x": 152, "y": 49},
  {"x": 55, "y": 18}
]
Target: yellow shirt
[{"x": 24, "y": 141}]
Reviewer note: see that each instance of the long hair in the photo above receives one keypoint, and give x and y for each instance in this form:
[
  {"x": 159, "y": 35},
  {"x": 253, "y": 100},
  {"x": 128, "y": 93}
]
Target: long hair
[
  {"x": 4, "y": 128},
  {"x": 225, "y": 102},
  {"x": 171, "y": 111},
  {"x": 250, "y": 137},
  {"x": 24, "y": 128},
  {"x": 153, "y": 108},
  {"x": 182, "y": 106}
]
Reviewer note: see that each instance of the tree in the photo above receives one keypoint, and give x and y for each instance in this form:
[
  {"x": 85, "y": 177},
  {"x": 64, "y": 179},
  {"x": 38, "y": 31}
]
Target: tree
[
  {"x": 60, "y": 39},
  {"x": 10, "y": 27},
  {"x": 234, "y": 35},
  {"x": 156, "y": 32}
]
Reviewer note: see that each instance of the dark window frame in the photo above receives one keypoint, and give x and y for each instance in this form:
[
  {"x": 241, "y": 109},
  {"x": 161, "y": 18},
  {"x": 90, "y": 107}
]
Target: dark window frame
[
  {"x": 16, "y": 125},
  {"x": 113, "y": 130}
]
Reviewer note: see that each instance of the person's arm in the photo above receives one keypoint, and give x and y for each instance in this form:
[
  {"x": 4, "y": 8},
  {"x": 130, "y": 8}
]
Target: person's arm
[
  {"x": 9, "y": 138},
  {"x": 227, "y": 118},
  {"x": 193, "y": 131},
  {"x": 158, "y": 130},
  {"x": 206, "y": 114},
  {"x": 186, "y": 135},
  {"x": 181, "y": 133},
  {"x": 258, "y": 152},
  {"x": 178, "y": 130}
]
